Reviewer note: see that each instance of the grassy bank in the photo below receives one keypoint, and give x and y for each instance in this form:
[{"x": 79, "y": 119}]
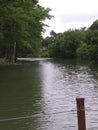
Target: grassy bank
[
  {"x": 3, "y": 61},
  {"x": 6, "y": 62}
]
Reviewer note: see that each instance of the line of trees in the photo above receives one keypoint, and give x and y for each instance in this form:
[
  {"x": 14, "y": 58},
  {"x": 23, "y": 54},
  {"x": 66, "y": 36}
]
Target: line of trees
[
  {"x": 81, "y": 43},
  {"x": 21, "y": 25}
]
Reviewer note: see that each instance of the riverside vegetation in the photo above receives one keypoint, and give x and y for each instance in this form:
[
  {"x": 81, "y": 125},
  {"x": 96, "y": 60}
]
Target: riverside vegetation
[
  {"x": 79, "y": 43},
  {"x": 21, "y": 27}
]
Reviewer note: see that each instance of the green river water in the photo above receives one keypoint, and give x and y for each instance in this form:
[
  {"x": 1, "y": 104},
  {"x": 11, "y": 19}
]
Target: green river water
[{"x": 41, "y": 95}]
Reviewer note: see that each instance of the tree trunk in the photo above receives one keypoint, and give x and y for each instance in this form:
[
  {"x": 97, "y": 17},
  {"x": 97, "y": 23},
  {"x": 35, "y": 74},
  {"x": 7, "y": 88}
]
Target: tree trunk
[{"x": 14, "y": 57}]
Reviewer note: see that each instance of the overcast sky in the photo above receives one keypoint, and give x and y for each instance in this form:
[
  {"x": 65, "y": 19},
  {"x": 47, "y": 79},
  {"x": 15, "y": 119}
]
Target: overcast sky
[{"x": 70, "y": 14}]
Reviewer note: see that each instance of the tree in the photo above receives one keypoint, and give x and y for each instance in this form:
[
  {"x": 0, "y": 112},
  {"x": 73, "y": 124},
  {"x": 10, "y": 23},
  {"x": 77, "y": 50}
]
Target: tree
[
  {"x": 94, "y": 26},
  {"x": 46, "y": 42},
  {"x": 55, "y": 49},
  {"x": 21, "y": 21},
  {"x": 82, "y": 51},
  {"x": 90, "y": 49},
  {"x": 88, "y": 52},
  {"x": 92, "y": 34},
  {"x": 65, "y": 45},
  {"x": 52, "y": 33},
  {"x": 92, "y": 37},
  {"x": 72, "y": 41}
]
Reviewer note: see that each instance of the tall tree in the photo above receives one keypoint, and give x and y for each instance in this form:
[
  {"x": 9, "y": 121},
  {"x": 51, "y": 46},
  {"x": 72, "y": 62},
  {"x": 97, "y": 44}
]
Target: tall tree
[{"x": 21, "y": 23}]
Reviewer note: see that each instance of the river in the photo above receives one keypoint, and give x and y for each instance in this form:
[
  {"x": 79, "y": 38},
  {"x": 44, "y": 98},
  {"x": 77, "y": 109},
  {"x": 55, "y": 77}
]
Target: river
[{"x": 41, "y": 95}]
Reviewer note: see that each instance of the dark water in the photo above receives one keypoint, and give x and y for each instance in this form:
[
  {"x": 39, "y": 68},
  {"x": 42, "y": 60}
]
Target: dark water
[{"x": 41, "y": 95}]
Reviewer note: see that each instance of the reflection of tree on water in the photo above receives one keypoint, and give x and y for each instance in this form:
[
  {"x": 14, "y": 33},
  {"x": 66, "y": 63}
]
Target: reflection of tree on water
[
  {"x": 20, "y": 95},
  {"x": 41, "y": 94}
]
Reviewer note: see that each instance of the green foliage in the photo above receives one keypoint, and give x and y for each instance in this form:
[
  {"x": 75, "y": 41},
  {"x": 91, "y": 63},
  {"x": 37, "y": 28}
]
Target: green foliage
[
  {"x": 88, "y": 52},
  {"x": 21, "y": 21},
  {"x": 76, "y": 43},
  {"x": 93, "y": 52},
  {"x": 82, "y": 51},
  {"x": 52, "y": 33},
  {"x": 55, "y": 47},
  {"x": 45, "y": 54},
  {"x": 46, "y": 42},
  {"x": 72, "y": 41},
  {"x": 94, "y": 26},
  {"x": 92, "y": 37},
  {"x": 90, "y": 49},
  {"x": 65, "y": 45}
]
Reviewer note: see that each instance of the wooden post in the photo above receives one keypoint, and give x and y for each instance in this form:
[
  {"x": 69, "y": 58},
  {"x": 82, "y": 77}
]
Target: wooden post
[{"x": 81, "y": 113}]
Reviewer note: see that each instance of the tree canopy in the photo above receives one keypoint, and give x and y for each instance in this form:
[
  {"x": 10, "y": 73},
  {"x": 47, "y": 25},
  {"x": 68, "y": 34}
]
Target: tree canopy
[
  {"x": 79, "y": 43},
  {"x": 94, "y": 26},
  {"x": 21, "y": 23}
]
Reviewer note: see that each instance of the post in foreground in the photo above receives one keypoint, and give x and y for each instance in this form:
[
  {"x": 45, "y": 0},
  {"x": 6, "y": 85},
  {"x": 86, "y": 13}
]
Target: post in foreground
[{"x": 81, "y": 113}]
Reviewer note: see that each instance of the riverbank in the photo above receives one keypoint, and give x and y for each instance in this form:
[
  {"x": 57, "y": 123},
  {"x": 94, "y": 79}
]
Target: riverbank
[
  {"x": 33, "y": 59},
  {"x": 23, "y": 60},
  {"x": 3, "y": 61},
  {"x": 6, "y": 62},
  {"x": 20, "y": 61}
]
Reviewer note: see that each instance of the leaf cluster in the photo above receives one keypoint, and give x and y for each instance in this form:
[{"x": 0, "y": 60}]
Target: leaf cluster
[{"x": 21, "y": 21}]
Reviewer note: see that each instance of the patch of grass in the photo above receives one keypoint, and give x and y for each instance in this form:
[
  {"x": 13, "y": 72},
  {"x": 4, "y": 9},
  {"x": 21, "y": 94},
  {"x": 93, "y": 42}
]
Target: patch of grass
[
  {"x": 2, "y": 61},
  {"x": 6, "y": 62}
]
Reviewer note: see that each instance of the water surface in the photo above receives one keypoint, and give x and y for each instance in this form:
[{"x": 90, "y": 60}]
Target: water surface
[{"x": 40, "y": 95}]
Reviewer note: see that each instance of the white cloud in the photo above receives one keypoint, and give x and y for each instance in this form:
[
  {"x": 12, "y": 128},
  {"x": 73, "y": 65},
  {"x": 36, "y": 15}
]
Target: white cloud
[{"x": 69, "y": 14}]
